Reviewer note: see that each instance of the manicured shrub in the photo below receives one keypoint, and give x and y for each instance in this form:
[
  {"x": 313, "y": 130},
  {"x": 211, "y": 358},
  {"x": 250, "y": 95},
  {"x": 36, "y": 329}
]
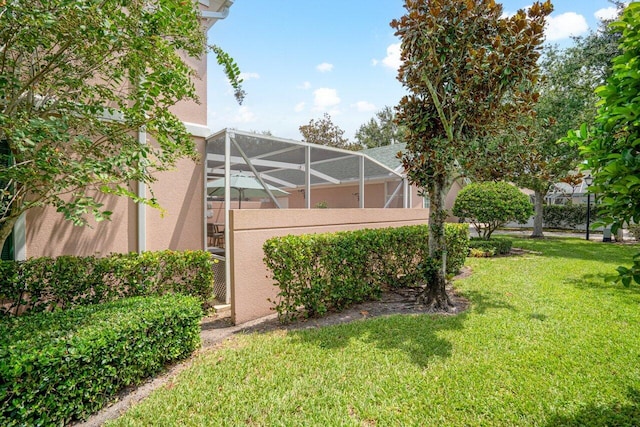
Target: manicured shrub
[
  {"x": 494, "y": 246},
  {"x": 457, "y": 237},
  {"x": 489, "y": 205},
  {"x": 41, "y": 284},
  {"x": 321, "y": 272},
  {"x": 567, "y": 216},
  {"x": 56, "y": 367}
]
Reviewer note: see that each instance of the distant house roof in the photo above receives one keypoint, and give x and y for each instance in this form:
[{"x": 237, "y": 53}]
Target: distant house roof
[{"x": 387, "y": 155}]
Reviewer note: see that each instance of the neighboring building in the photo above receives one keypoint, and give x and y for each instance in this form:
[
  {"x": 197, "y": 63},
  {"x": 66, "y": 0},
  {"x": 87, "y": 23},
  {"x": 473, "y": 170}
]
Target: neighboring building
[{"x": 44, "y": 232}]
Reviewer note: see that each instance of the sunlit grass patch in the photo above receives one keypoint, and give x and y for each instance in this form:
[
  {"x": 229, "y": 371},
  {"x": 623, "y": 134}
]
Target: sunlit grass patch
[{"x": 544, "y": 342}]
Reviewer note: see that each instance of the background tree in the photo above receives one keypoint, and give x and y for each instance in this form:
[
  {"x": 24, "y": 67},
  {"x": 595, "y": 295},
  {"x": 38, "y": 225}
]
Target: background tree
[
  {"x": 489, "y": 205},
  {"x": 469, "y": 71},
  {"x": 529, "y": 152},
  {"x": 380, "y": 130},
  {"x": 612, "y": 147},
  {"x": 78, "y": 79},
  {"x": 324, "y": 132}
]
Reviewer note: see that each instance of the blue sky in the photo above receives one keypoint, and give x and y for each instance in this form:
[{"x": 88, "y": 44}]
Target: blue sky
[{"x": 303, "y": 58}]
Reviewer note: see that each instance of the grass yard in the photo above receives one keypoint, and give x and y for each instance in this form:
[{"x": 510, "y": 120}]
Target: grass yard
[{"x": 545, "y": 343}]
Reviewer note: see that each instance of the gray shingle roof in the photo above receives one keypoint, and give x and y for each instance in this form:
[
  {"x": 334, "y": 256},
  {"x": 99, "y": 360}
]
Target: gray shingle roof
[{"x": 386, "y": 154}]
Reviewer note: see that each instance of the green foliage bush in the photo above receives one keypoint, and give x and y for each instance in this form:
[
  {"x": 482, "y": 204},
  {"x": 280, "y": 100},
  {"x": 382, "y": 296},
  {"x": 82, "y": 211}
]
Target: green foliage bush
[
  {"x": 493, "y": 246},
  {"x": 489, "y": 205},
  {"x": 41, "y": 284},
  {"x": 56, "y": 367},
  {"x": 567, "y": 216},
  {"x": 321, "y": 272}
]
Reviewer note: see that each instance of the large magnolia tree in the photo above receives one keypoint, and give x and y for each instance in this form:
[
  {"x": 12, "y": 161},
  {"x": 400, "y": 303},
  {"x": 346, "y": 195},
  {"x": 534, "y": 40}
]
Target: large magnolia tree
[
  {"x": 469, "y": 71},
  {"x": 78, "y": 79}
]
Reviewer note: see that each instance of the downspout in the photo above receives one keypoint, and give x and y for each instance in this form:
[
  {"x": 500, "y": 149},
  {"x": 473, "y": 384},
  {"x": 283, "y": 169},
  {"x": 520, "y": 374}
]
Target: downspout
[{"x": 142, "y": 208}]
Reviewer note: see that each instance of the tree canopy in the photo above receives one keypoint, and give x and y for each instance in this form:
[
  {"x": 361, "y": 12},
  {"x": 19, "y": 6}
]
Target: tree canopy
[
  {"x": 470, "y": 71},
  {"x": 380, "y": 130},
  {"x": 611, "y": 148},
  {"x": 78, "y": 79},
  {"x": 324, "y": 132},
  {"x": 528, "y": 152}
]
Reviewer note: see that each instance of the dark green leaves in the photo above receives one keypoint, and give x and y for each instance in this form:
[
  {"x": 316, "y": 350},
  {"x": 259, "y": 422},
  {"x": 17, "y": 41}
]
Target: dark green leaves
[
  {"x": 79, "y": 78},
  {"x": 611, "y": 146}
]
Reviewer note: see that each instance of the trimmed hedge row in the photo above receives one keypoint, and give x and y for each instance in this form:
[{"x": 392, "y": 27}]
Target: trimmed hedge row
[
  {"x": 321, "y": 272},
  {"x": 493, "y": 246},
  {"x": 567, "y": 216},
  {"x": 56, "y": 367},
  {"x": 41, "y": 284}
]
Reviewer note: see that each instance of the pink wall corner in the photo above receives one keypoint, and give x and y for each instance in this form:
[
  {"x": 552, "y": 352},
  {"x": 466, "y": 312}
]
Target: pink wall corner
[
  {"x": 180, "y": 192},
  {"x": 251, "y": 285}
]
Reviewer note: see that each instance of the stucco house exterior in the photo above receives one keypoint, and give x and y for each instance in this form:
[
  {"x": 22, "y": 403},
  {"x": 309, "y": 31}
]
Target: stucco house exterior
[{"x": 44, "y": 232}]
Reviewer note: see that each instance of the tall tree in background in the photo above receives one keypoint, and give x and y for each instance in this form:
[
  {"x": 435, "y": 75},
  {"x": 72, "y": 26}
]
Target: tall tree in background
[
  {"x": 324, "y": 132},
  {"x": 78, "y": 79},
  {"x": 469, "y": 72},
  {"x": 380, "y": 131},
  {"x": 612, "y": 147},
  {"x": 528, "y": 152}
]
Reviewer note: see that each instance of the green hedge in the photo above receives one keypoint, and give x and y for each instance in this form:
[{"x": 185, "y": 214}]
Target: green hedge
[
  {"x": 493, "y": 246},
  {"x": 567, "y": 216},
  {"x": 41, "y": 284},
  {"x": 321, "y": 272},
  {"x": 56, "y": 367}
]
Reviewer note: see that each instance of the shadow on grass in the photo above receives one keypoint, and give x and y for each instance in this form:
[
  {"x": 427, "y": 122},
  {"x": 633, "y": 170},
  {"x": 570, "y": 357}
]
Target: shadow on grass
[
  {"x": 615, "y": 414},
  {"x": 481, "y": 301},
  {"x": 597, "y": 282},
  {"x": 575, "y": 248},
  {"x": 415, "y": 335}
]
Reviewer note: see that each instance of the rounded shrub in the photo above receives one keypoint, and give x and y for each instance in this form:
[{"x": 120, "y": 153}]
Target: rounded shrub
[{"x": 489, "y": 205}]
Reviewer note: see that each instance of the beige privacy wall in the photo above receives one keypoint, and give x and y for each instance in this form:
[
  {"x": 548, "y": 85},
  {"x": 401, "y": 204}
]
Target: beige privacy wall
[{"x": 251, "y": 284}]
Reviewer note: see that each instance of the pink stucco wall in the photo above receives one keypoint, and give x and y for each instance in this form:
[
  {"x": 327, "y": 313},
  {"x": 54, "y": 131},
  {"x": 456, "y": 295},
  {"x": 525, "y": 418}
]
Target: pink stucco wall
[
  {"x": 251, "y": 286},
  {"x": 180, "y": 192},
  {"x": 344, "y": 196}
]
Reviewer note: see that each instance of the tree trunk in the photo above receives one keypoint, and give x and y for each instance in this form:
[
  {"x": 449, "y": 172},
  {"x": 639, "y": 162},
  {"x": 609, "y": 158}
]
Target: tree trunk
[
  {"x": 537, "y": 218},
  {"x": 435, "y": 297}
]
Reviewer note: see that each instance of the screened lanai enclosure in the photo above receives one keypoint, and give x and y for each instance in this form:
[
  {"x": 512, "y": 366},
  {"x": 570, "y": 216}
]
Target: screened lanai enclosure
[{"x": 253, "y": 171}]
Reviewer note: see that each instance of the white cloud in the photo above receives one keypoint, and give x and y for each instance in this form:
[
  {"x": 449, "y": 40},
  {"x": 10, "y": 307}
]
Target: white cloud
[
  {"x": 244, "y": 115},
  {"x": 324, "y": 67},
  {"x": 606, "y": 13},
  {"x": 305, "y": 86},
  {"x": 325, "y": 98},
  {"x": 249, "y": 76},
  {"x": 364, "y": 106},
  {"x": 565, "y": 25},
  {"x": 392, "y": 60},
  {"x": 299, "y": 107}
]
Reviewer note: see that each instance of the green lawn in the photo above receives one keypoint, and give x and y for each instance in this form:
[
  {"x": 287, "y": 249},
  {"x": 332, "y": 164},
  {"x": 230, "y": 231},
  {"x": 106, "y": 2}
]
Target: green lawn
[{"x": 545, "y": 342}]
